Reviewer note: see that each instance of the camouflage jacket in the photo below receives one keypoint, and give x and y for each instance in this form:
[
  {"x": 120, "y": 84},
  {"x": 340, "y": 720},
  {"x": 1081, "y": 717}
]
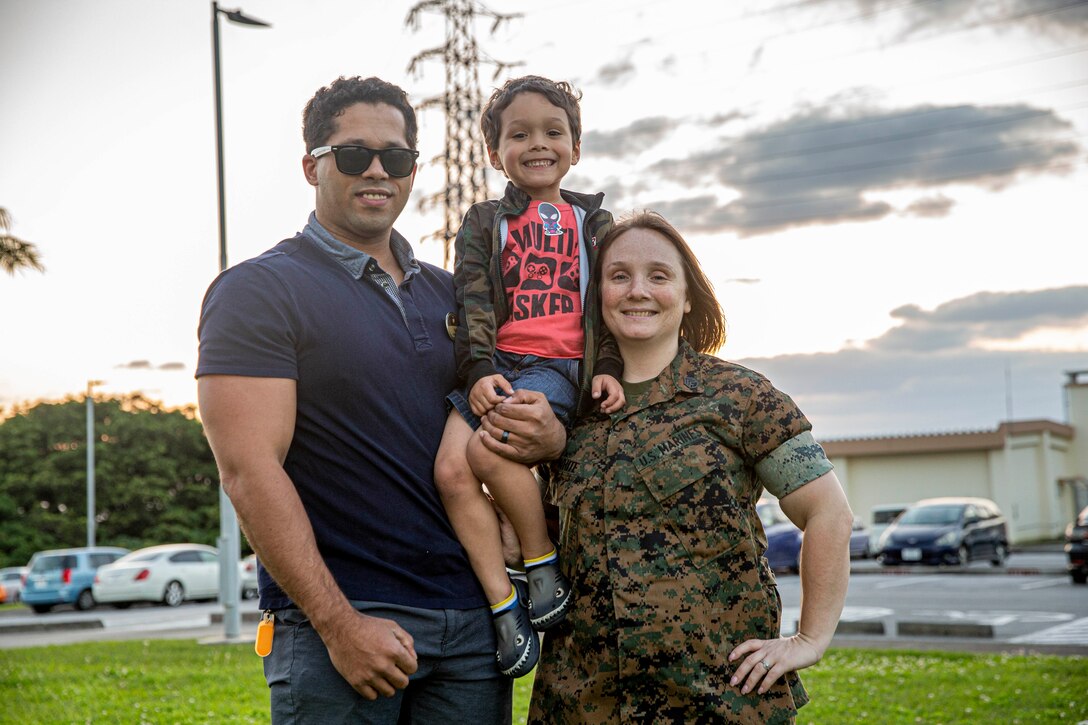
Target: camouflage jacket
[
  {"x": 664, "y": 550},
  {"x": 482, "y": 304}
]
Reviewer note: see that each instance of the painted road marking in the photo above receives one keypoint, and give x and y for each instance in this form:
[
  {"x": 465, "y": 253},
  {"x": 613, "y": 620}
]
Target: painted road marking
[{"x": 1069, "y": 633}]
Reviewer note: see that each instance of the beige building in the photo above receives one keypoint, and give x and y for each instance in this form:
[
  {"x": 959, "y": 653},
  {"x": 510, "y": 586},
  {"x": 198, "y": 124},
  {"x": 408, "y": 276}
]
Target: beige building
[{"x": 1035, "y": 470}]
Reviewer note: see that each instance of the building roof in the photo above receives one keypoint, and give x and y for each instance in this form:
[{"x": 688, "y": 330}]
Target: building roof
[{"x": 944, "y": 442}]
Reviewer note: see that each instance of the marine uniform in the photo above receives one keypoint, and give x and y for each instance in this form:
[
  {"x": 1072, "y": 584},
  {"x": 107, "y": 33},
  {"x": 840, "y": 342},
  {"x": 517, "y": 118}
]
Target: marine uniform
[{"x": 664, "y": 549}]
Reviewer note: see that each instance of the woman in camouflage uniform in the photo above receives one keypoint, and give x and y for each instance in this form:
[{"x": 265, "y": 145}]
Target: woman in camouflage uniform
[{"x": 676, "y": 615}]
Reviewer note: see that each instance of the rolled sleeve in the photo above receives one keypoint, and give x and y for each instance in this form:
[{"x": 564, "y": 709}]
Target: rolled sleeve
[{"x": 793, "y": 464}]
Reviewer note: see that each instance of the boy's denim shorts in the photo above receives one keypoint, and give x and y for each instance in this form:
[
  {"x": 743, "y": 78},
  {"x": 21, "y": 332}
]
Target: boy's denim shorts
[{"x": 557, "y": 378}]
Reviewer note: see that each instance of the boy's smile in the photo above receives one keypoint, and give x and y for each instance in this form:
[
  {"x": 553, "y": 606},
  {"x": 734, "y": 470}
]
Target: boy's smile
[{"x": 536, "y": 147}]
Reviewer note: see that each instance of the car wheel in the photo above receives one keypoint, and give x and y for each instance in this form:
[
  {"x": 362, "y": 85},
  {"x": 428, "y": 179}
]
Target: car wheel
[
  {"x": 964, "y": 555},
  {"x": 1079, "y": 577},
  {"x": 249, "y": 593},
  {"x": 1001, "y": 553},
  {"x": 42, "y": 608},
  {"x": 174, "y": 594},
  {"x": 85, "y": 600}
]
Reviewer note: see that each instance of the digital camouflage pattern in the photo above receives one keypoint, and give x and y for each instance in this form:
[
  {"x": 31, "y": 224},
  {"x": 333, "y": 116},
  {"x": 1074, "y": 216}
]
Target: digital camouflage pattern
[
  {"x": 664, "y": 550},
  {"x": 482, "y": 305}
]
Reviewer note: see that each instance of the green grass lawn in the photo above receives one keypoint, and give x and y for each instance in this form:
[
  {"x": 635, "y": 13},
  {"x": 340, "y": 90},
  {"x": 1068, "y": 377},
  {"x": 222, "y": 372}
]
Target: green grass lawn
[{"x": 177, "y": 681}]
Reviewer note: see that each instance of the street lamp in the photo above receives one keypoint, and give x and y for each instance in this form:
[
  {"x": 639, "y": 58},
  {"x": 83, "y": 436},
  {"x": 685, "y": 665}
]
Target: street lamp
[
  {"x": 230, "y": 548},
  {"x": 90, "y": 459}
]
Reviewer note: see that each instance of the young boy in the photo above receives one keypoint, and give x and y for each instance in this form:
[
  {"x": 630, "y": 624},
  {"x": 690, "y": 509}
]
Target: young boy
[{"x": 525, "y": 320}]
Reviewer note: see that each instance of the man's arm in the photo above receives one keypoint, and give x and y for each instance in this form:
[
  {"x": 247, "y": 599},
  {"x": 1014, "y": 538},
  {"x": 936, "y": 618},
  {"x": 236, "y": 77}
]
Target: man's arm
[{"x": 249, "y": 423}]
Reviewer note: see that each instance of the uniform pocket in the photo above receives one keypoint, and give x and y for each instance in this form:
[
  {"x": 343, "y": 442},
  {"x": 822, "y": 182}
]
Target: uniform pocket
[{"x": 684, "y": 475}]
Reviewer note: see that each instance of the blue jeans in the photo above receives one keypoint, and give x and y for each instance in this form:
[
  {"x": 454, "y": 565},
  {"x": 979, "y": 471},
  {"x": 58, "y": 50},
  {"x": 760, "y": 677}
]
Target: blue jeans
[
  {"x": 557, "y": 378},
  {"x": 457, "y": 680}
]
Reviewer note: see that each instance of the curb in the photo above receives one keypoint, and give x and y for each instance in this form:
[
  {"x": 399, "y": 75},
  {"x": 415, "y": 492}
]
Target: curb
[
  {"x": 927, "y": 570},
  {"x": 51, "y": 626}
]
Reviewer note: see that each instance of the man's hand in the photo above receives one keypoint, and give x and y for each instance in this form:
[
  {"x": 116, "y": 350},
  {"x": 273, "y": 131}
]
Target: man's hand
[
  {"x": 535, "y": 434},
  {"x": 483, "y": 397},
  {"x": 612, "y": 390},
  {"x": 374, "y": 655}
]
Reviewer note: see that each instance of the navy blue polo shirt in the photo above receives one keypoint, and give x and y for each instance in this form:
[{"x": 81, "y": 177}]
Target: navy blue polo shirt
[{"x": 371, "y": 387}]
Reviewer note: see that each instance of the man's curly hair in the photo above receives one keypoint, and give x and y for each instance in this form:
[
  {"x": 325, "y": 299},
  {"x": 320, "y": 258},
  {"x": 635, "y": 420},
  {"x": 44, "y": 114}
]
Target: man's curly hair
[{"x": 319, "y": 116}]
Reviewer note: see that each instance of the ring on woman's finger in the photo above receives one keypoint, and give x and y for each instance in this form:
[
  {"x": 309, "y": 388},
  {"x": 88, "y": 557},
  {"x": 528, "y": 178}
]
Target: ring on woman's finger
[
  {"x": 505, "y": 436},
  {"x": 766, "y": 665}
]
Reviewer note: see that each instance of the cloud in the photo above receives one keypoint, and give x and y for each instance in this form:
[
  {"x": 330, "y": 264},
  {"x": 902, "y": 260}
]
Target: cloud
[
  {"x": 1047, "y": 17},
  {"x": 932, "y": 374},
  {"x": 616, "y": 73},
  {"x": 821, "y": 166},
  {"x": 930, "y": 206},
  {"x": 146, "y": 365},
  {"x": 631, "y": 139},
  {"x": 136, "y": 365},
  {"x": 985, "y": 317}
]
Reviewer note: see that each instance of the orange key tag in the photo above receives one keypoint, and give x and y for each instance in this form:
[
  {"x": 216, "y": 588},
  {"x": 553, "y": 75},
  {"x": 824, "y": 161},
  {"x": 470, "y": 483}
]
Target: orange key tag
[{"x": 263, "y": 645}]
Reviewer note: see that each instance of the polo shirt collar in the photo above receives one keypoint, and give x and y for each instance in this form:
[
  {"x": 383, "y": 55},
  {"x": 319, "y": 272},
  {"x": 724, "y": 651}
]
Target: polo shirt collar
[{"x": 353, "y": 260}]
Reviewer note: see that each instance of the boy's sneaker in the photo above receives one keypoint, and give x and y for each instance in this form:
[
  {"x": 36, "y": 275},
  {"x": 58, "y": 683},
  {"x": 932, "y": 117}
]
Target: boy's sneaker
[
  {"x": 549, "y": 596},
  {"x": 518, "y": 648}
]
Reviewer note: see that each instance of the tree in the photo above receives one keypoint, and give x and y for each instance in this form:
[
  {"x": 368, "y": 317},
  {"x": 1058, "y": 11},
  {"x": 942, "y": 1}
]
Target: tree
[
  {"x": 14, "y": 252},
  {"x": 155, "y": 477}
]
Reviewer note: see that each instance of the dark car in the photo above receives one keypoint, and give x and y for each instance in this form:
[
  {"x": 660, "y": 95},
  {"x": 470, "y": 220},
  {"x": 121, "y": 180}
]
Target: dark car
[
  {"x": 859, "y": 540},
  {"x": 1076, "y": 546},
  {"x": 946, "y": 531},
  {"x": 783, "y": 538}
]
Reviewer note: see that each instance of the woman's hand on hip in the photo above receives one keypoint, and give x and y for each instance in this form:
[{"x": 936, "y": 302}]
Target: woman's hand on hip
[{"x": 760, "y": 662}]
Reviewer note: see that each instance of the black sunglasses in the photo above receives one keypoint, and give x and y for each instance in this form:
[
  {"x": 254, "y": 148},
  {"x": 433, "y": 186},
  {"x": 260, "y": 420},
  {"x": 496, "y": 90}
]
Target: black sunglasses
[{"x": 354, "y": 160}]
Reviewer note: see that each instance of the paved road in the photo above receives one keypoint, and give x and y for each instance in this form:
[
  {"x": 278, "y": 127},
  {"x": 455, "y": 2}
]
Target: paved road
[{"x": 1029, "y": 605}]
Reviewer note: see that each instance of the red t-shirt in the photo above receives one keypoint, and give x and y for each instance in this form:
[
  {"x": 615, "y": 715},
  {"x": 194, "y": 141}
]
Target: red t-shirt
[{"x": 540, "y": 274}]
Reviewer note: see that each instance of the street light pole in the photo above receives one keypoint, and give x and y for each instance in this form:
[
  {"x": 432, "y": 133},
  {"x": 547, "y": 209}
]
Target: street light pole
[
  {"x": 90, "y": 460},
  {"x": 230, "y": 547}
]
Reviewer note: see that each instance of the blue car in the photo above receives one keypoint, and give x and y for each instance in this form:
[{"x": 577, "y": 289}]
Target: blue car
[
  {"x": 783, "y": 538},
  {"x": 65, "y": 576}
]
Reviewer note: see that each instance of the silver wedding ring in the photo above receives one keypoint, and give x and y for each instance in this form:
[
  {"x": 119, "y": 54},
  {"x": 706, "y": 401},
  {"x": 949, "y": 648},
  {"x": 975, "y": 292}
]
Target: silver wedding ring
[
  {"x": 766, "y": 665},
  {"x": 505, "y": 436}
]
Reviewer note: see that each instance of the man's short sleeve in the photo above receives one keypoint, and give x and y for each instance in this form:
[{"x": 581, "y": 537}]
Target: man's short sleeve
[{"x": 248, "y": 326}]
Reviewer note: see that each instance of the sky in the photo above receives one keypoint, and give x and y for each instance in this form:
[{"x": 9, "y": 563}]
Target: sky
[{"x": 890, "y": 196}]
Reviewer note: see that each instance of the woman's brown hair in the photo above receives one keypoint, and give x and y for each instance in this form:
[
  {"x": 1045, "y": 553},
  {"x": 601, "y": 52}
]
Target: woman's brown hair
[{"x": 704, "y": 326}]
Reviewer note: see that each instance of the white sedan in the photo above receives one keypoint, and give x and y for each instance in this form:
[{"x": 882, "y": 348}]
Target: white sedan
[{"x": 170, "y": 573}]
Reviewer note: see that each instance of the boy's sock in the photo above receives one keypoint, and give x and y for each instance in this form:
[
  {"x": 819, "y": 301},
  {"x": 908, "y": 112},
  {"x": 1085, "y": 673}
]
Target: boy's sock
[
  {"x": 509, "y": 603},
  {"x": 549, "y": 558}
]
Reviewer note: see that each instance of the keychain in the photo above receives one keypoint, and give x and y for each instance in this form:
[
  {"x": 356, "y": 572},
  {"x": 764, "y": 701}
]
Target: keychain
[{"x": 263, "y": 645}]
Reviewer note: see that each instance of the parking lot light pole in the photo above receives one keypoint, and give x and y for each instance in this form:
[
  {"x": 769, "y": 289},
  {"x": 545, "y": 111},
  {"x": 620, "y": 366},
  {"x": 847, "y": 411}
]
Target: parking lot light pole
[
  {"x": 90, "y": 460},
  {"x": 230, "y": 549}
]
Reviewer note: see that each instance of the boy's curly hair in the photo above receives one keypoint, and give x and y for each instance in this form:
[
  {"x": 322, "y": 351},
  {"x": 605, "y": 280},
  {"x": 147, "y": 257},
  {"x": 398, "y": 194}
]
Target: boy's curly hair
[{"x": 558, "y": 93}]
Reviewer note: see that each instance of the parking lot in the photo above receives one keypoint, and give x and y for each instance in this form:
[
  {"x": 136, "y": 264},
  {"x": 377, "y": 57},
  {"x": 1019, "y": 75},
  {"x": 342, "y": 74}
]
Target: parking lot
[{"x": 1030, "y": 604}]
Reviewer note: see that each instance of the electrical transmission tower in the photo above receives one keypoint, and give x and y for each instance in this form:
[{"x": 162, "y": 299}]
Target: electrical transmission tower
[{"x": 464, "y": 154}]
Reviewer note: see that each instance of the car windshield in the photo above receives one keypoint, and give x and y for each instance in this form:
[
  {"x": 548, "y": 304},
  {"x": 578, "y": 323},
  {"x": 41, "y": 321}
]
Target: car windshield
[
  {"x": 940, "y": 514},
  {"x": 139, "y": 556},
  {"x": 769, "y": 515},
  {"x": 886, "y": 517},
  {"x": 9, "y": 576}
]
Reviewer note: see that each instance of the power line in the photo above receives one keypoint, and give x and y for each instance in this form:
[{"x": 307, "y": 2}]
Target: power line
[{"x": 464, "y": 157}]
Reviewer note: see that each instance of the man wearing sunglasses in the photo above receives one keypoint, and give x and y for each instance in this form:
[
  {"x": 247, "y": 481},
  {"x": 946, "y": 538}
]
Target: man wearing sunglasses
[{"x": 324, "y": 366}]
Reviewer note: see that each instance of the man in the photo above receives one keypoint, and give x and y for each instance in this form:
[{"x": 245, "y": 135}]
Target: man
[{"x": 324, "y": 364}]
